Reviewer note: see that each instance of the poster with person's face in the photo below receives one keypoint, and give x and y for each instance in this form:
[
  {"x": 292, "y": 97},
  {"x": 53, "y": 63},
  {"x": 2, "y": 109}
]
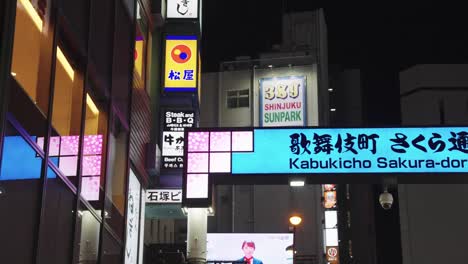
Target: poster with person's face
[{"x": 255, "y": 248}]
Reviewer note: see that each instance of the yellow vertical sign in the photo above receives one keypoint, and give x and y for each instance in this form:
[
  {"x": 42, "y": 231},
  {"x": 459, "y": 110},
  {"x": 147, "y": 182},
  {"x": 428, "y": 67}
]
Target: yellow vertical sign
[
  {"x": 139, "y": 57},
  {"x": 180, "y": 67}
]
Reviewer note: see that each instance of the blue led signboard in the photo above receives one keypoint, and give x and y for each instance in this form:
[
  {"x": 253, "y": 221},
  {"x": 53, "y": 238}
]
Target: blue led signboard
[
  {"x": 340, "y": 155},
  {"x": 355, "y": 150}
]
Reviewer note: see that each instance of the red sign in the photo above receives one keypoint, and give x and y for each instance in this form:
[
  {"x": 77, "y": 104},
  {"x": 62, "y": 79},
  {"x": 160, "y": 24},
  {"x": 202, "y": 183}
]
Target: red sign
[{"x": 332, "y": 255}]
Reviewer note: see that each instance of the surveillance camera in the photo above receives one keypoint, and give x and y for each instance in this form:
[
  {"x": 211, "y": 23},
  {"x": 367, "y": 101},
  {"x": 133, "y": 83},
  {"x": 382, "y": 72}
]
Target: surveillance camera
[{"x": 386, "y": 200}]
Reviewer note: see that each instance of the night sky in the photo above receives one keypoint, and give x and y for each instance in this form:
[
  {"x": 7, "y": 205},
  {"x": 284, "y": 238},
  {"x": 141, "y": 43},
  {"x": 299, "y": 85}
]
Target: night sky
[{"x": 380, "y": 40}]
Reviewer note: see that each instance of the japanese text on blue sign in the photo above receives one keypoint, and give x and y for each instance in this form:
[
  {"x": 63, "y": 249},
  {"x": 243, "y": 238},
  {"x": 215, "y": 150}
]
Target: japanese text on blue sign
[{"x": 359, "y": 150}]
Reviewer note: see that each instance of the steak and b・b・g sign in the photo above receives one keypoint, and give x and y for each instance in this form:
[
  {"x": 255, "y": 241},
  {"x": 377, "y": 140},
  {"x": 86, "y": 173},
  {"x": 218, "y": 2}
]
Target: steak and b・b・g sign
[
  {"x": 355, "y": 150},
  {"x": 282, "y": 101},
  {"x": 174, "y": 124}
]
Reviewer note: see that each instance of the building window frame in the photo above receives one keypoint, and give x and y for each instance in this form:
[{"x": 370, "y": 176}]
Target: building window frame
[{"x": 238, "y": 98}]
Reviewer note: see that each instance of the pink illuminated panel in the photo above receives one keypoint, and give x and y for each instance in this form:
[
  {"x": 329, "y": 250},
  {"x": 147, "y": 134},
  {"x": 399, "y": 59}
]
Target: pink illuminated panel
[
  {"x": 197, "y": 162},
  {"x": 220, "y": 162},
  {"x": 197, "y": 186},
  {"x": 91, "y": 165},
  {"x": 54, "y": 145},
  {"x": 242, "y": 141},
  {"x": 90, "y": 188},
  {"x": 93, "y": 144},
  {"x": 69, "y": 145},
  {"x": 66, "y": 148},
  {"x": 198, "y": 141},
  {"x": 220, "y": 141},
  {"x": 68, "y": 165}
]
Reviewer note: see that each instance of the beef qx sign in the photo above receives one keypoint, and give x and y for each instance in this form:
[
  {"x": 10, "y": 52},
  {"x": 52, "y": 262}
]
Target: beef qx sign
[
  {"x": 174, "y": 123},
  {"x": 355, "y": 150}
]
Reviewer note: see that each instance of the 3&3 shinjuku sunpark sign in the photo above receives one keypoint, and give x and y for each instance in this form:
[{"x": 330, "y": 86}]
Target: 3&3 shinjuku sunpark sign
[{"x": 321, "y": 151}]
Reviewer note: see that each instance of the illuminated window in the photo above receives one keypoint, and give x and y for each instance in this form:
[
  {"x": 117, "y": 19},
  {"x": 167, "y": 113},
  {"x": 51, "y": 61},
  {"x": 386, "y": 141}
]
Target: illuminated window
[
  {"x": 238, "y": 98},
  {"x": 28, "y": 66}
]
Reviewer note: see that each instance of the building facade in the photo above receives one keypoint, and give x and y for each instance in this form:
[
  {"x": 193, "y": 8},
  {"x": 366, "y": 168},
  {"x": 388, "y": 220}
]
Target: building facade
[
  {"x": 247, "y": 93},
  {"x": 433, "y": 217},
  {"x": 76, "y": 111}
]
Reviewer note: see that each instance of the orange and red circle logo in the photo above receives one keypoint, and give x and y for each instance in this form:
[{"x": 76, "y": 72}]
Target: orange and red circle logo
[
  {"x": 332, "y": 252},
  {"x": 181, "y": 54}
]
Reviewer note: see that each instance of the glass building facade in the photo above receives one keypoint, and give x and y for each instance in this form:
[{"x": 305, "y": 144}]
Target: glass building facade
[{"x": 69, "y": 190}]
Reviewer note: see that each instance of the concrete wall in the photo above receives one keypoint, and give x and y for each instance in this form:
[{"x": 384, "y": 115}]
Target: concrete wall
[
  {"x": 209, "y": 97},
  {"x": 234, "y": 80},
  {"x": 434, "y": 218}
]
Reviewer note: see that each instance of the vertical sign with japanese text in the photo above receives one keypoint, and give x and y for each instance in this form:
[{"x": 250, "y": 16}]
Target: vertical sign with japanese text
[
  {"x": 180, "y": 67},
  {"x": 174, "y": 124},
  {"x": 182, "y": 8},
  {"x": 283, "y": 101},
  {"x": 133, "y": 219}
]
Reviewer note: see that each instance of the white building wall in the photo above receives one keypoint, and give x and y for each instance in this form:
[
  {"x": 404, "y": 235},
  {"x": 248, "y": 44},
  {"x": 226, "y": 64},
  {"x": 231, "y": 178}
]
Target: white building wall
[
  {"x": 230, "y": 81},
  {"x": 434, "y": 218},
  {"x": 264, "y": 208}
]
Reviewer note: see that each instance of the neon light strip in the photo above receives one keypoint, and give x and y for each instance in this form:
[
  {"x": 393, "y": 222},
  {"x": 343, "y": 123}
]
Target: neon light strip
[
  {"x": 91, "y": 104},
  {"x": 32, "y": 13}
]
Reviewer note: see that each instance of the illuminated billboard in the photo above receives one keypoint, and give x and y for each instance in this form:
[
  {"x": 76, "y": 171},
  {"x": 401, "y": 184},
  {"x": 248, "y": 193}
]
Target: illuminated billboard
[
  {"x": 138, "y": 56},
  {"x": 260, "y": 247},
  {"x": 283, "y": 101},
  {"x": 133, "y": 219},
  {"x": 182, "y": 8},
  {"x": 174, "y": 123},
  {"x": 164, "y": 196},
  {"x": 267, "y": 155},
  {"x": 355, "y": 150},
  {"x": 180, "y": 67}
]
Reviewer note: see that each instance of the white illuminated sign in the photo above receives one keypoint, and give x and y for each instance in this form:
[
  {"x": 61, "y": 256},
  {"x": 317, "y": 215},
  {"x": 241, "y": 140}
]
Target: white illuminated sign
[
  {"x": 331, "y": 219},
  {"x": 133, "y": 219},
  {"x": 331, "y": 237},
  {"x": 164, "y": 196},
  {"x": 174, "y": 124},
  {"x": 282, "y": 101},
  {"x": 182, "y": 8}
]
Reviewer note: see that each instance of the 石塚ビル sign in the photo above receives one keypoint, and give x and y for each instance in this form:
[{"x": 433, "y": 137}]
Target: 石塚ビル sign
[{"x": 162, "y": 196}]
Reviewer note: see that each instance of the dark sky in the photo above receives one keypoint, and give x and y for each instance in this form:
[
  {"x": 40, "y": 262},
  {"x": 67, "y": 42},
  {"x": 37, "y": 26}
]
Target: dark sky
[{"x": 380, "y": 40}]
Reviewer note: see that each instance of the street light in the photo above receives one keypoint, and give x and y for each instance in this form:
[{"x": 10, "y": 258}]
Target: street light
[{"x": 294, "y": 220}]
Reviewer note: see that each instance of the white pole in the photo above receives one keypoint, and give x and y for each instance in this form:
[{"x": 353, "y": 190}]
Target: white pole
[{"x": 197, "y": 219}]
